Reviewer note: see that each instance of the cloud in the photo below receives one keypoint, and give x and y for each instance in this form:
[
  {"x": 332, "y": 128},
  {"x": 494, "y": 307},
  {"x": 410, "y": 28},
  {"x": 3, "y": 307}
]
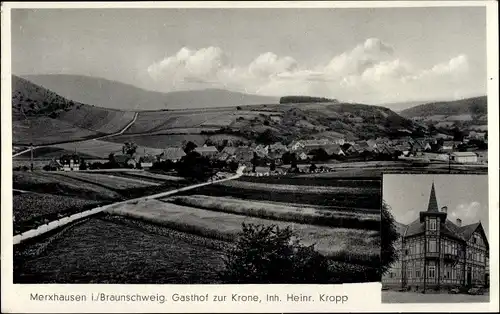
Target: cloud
[
  {"x": 369, "y": 72},
  {"x": 468, "y": 212}
]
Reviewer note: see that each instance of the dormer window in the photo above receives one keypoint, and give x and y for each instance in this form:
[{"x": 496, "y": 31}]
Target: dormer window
[{"x": 432, "y": 224}]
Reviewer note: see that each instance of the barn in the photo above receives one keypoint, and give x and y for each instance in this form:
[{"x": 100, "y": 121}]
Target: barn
[{"x": 464, "y": 157}]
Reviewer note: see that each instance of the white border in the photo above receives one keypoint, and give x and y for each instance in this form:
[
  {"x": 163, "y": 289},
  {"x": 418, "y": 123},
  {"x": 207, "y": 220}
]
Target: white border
[{"x": 362, "y": 297}]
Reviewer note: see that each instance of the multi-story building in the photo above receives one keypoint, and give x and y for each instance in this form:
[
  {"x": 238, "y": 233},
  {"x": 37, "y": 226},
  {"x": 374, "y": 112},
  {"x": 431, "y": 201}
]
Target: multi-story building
[{"x": 436, "y": 253}]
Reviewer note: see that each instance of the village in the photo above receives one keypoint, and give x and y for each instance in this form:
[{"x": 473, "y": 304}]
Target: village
[{"x": 278, "y": 158}]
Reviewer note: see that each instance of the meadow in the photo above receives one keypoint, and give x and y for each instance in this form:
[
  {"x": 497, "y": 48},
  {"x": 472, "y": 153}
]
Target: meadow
[
  {"x": 31, "y": 210},
  {"x": 98, "y": 119},
  {"x": 359, "y": 246},
  {"x": 100, "y": 251},
  {"x": 343, "y": 218},
  {"x": 102, "y": 149}
]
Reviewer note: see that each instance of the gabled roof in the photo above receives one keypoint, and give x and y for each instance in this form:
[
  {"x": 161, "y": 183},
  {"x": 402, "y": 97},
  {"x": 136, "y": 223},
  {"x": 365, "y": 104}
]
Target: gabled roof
[
  {"x": 333, "y": 149},
  {"x": 464, "y": 154},
  {"x": 467, "y": 231},
  {"x": 230, "y": 150},
  {"x": 148, "y": 159},
  {"x": 122, "y": 158},
  {"x": 172, "y": 153},
  {"x": 206, "y": 149}
]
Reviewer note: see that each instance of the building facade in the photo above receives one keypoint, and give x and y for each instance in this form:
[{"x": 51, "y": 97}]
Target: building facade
[{"x": 435, "y": 253}]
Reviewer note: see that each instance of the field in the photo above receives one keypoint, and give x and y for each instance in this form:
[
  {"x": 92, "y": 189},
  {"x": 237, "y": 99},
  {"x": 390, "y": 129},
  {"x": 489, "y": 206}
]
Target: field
[
  {"x": 102, "y": 149},
  {"x": 99, "y": 251},
  {"x": 148, "y": 176},
  {"x": 160, "y": 141},
  {"x": 50, "y": 152},
  {"x": 339, "y": 243},
  {"x": 31, "y": 210},
  {"x": 107, "y": 180},
  {"x": 43, "y": 130},
  {"x": 189, "y": 231},
  {"x": 344, "y": 218},
  {"x": 154, "y": 121},
  {"x": 165, "y": 140},
  {"x": 51, "y": 182},
  {"x": 342, "y": 194},
  {"x": 98, "y": 119}
]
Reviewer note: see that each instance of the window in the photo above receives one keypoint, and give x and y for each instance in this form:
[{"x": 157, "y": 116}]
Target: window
[
  {"x": 417, "y": 273},
  {"x": 432, "y": 248},
  {"x": 410, "y": 271},
  {"x": 432, "y": 272},
  {"x": 432, "y": 224}
]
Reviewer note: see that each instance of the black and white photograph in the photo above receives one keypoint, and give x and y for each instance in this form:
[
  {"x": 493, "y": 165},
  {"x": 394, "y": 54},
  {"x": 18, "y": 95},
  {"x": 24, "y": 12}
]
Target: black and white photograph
[
  {"x": 441, "y": 251},
  {"x": 240, "y": 146}
]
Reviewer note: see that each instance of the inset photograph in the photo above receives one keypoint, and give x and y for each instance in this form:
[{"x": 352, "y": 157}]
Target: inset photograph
[{"x": 439, "y": 231}]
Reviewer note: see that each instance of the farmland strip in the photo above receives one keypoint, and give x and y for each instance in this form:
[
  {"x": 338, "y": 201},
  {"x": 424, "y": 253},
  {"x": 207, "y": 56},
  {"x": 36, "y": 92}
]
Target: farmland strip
[{"x": 305, "y": 215}]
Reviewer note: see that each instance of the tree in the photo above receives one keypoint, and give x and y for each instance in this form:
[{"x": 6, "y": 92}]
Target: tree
[
  {"x": 319, "y": 154},
  {"x": 129, "y": 148},
  {"x": 388, "y": 238},
  {"x": 269, "y": 254},
  {"x": 312, "y": 168},
  {"x": 189, "y": 147},
  {"x": 288, "y": 157},
  {"x": 255, "y": 161},
  {"x": 272, "y": 166},
  {"x": 457, "y": 134},
  {"x": 83, "y": 165}
]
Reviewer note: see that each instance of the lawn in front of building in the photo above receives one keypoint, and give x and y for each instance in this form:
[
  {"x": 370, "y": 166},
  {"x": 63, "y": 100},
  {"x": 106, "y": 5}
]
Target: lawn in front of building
[{"x": 415, "y": 297}]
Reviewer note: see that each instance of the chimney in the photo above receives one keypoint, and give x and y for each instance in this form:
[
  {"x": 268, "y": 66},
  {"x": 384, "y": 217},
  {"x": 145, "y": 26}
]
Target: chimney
[
  {"x": 444, "y": 209},
  {"x": 459, "y": 222}
]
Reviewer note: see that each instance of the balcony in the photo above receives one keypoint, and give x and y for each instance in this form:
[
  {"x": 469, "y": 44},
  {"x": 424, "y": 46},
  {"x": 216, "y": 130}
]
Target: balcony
[
  {"x": 451, "y": 257},
  {"x": 432, "y": 255}
]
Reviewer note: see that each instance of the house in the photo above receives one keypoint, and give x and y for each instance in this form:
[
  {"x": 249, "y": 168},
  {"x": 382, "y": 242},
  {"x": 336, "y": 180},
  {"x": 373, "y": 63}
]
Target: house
[
  {"x": 147, "y": 161},
  {"x": 173, "y": 154},
  {"x": 371, "y": 143},
  {"x": 308, "y": 144},
  {"x": 54, "y": 165},
  {"x": 262, "y": 150},
  {"x": 354, "y": 149},
  {"x": 70, "y": 162},
  {"x": 464, "y": 157},
  {"x": 125, "y": 161},
  {"x": 304, "y": 156},
  {"x": 436, "y": 253},
  {"x": 207, "y": 151},
  {"x": 420, "y": 145},
  {"x": 277, "y": 148},
  {"x": 244, "y": 155},
  {"x": 448, "y": 146},
  {"x": 334, "y": 149},
  {"x": 275, "y": 118},
  {"x": 473, "y": 135}
]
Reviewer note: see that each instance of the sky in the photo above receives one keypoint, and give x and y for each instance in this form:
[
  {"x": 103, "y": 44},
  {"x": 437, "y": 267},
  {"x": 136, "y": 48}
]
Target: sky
[
  {"x": 365, "y": 55},
  {"x": 466, "y": 196}
]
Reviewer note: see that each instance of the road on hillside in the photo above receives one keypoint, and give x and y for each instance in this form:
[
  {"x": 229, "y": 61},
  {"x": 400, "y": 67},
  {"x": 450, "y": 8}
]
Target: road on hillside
[
  {"x": 75, "y": 141},
  {"x": 66, "y": 220}
]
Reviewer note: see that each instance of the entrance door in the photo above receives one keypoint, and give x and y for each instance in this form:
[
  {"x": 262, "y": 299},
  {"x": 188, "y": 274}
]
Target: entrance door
[{"x": 469, "y": 276}]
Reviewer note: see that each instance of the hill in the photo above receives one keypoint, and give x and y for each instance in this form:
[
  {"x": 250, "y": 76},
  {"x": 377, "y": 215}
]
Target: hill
[
  {"x": 54, "y": 118},
  {"x": 42, "y": 116},
  {"x": 266, "y": 123},
  {"x": 470, "y": 106},
  {"x": 115, "y": 95}
]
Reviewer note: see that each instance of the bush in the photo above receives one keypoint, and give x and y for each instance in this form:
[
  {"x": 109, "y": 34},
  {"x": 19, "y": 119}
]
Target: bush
[{"x": 268, "y": 254}]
